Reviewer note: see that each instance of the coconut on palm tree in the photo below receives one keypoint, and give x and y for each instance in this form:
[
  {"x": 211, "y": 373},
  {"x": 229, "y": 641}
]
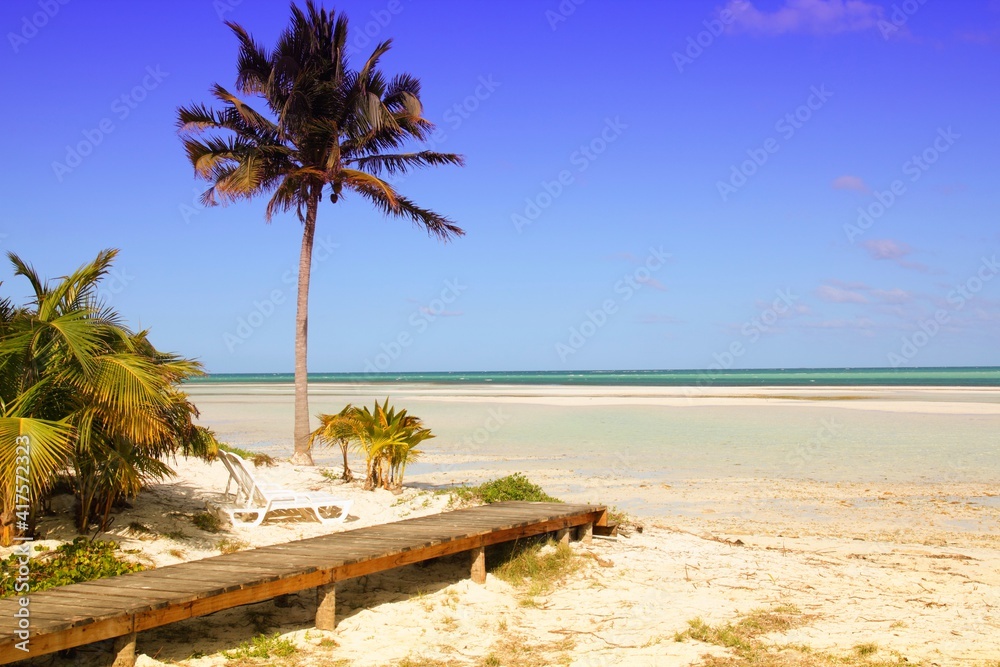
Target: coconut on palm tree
[{"x": 327, "y": 131}]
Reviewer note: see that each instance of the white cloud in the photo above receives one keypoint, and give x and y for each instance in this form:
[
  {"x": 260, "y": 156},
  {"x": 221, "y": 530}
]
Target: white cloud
[
  {"x": 848, "y": 182},
  {"x": 814, "y": 17}
]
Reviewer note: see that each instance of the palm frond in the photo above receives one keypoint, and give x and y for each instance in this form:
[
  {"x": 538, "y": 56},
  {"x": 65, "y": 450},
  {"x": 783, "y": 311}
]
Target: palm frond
[
  {"x": 46, "y": 446},
  {"x": 22, "y": 268},
  {"x": 401, "y": 163},
  {"x": 253, "y": 64}
]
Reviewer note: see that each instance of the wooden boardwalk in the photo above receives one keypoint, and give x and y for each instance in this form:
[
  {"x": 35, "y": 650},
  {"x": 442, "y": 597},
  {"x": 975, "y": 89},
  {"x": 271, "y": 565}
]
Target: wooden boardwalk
[{"x": 119, "y": 607}]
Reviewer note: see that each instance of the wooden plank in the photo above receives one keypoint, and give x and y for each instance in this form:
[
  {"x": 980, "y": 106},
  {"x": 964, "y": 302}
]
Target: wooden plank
[
  {"x": 198, "y": 576},
  {"x": 70, "y": 595},
  {"x": 260, "y": 566},
  {"x": 73, "y": 606},
  {"x": 153, "y": 589},
  {"x": 201, "y": 587},
  {"x": 244, "y": 573},
  {"x": 41, "y": 623},
  {"x": 195, "y": 588},
  {"x": 359, "y": 543},
  {"x": 70, "y": 638},
  {"x": 71, "y": 609},
  {"x": 247, "y": 569},
  {"x": 356, "y": 550},
  {"x": 306, "y": 563},
  {"x": 340, "y": 555},
  {"x": 152, "y": 598}
]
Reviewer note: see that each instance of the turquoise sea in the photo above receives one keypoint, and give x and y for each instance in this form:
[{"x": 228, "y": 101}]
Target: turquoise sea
[
  {"x": 909, "y": 424},
  {"x": 630, "y": 428},
  {"x": 981, "y": 376}
]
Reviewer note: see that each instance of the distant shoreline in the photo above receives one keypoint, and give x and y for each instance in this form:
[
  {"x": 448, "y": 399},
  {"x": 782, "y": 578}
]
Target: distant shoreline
[{"x": 957, "y": 377}]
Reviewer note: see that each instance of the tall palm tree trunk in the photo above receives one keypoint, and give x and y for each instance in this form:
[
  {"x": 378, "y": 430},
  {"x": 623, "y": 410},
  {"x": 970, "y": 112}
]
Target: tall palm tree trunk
[{"x": 302, "y": 455}]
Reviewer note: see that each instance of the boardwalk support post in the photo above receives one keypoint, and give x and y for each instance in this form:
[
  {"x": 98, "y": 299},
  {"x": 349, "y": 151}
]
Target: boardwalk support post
[
  {"x": 562, "y": 536},
  {"x": 585, "y": 533},
  {"x": 124, "y": 651},
  {"x": 326, "y": 607},
  {"x": 478, "y": 565}
]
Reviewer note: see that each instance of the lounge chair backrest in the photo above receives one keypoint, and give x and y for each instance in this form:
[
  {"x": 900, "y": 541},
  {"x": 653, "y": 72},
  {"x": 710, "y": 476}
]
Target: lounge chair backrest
[
  {"x": 224, "y": 457},
  {"x": 246, "y": 479}
]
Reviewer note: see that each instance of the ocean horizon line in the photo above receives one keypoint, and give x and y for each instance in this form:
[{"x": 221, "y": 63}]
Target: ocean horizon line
[{"x": 972, "y": 376}]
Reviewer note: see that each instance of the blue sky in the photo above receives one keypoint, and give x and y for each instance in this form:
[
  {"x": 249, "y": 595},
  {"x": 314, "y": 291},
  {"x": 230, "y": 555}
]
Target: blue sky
[{"x": 782, "y": 183}]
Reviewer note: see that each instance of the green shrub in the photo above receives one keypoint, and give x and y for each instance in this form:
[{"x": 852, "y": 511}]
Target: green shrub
[
  {"x": 262, "y": 646},
  {"x": 258, "y": 458},
  {"x": 229, "y": 546},
  {"x": 139, "y": 529},
  {"x": 207, "y": 522},
  {"x": 511, "y": 487},
  {"x": 527, "y": 567},
  {"x": 79, "y": 560}
]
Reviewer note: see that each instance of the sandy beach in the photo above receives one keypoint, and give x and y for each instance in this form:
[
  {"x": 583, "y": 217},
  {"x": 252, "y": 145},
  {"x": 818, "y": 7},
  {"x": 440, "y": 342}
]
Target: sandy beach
[{"x": 869, "y": 549}]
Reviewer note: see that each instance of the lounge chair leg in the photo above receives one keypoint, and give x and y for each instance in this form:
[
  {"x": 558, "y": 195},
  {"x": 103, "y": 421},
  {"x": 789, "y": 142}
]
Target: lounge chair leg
[
  {"x": 562, "y": 536},
  {"x": 585, "y": 533},
  {"x": 326, "y": 607},
  {"x": 124, "y": 651},
  {"x": 478, "y": 565}
]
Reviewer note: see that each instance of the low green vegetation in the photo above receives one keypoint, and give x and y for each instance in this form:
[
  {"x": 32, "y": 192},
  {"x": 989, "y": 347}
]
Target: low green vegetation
[
  {"x": 79, "y": 560},
  {"x": 507, "y": 650},
  {"x": 207, "y": 521},
  {"x": 262, "y": 646},
  {"x": 512, "y": 650},
  {"x": 139, "y": 529},
  {"x": 331, "y": 476},
  {"x": 258, "y": 458},
  {"x": 535, "y": 567},
  {"x": 228, "y": 545},
  {"x": 746, "y": 647},
  {"x": 511, "y": 487},
  {"x": 867, "y": 649}
]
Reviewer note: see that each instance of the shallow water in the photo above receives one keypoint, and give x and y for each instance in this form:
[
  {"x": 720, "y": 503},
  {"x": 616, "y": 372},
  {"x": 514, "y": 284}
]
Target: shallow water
[{"x": 927, "y": 435}]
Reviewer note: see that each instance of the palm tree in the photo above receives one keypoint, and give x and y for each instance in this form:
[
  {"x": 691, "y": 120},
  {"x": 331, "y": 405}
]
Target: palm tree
[
  {"x": 388, "y": 440},
  {"x": 83, "y": 394},
  {"x": 406, "y": 451},
  {"x": 328, "y": 130},
  {"x": 339, "y": 429}
]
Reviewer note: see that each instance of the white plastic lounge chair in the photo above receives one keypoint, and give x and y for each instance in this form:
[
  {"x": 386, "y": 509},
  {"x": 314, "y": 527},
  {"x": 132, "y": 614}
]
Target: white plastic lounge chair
[{"x": 261, "y": 498}]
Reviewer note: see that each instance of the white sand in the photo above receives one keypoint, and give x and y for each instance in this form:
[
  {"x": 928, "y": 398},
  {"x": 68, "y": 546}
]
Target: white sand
[{"x": 912, "y": 566}]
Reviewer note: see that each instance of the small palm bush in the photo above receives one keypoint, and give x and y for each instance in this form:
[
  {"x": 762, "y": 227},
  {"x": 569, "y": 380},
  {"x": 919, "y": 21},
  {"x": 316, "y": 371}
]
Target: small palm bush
[{"x": 388, "y": 439}]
